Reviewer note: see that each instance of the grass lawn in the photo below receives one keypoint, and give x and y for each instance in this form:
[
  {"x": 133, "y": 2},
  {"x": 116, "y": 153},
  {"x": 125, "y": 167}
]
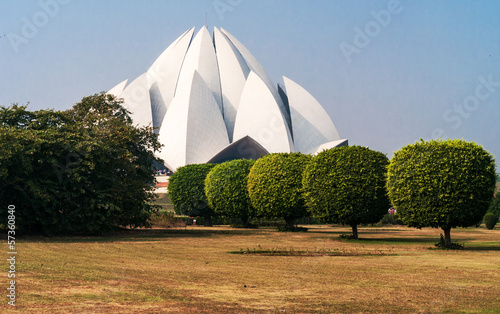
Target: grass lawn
[{"x": 389, "y": 269}]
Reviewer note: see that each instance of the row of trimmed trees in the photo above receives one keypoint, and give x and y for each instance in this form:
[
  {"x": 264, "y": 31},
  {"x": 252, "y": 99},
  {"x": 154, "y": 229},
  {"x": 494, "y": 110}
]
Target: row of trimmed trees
[{"x": 439, "y": 183}]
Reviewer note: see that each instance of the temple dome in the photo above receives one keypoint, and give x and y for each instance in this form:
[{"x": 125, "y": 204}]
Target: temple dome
[{"x": 210, "y": 100}]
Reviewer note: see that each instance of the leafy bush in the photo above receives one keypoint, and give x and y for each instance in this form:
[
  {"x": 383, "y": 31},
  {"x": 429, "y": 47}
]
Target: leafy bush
[
  {"x": 186, "y": 190},
  {"x": 346, "y": 237},
  {"x": 391, "y": 219},
  {"x": 443, "y": 245},
  {"x": 166, "y": 219},
  {"x": 275, "y": 186},
  {"x": 441, "y": 184},
  {"x": 286, "y": 228},
  {"x": 490, "y": 220},
  {"x": 495, "y": 205},
  {"x": 347, "y": 185},
  {"x": 226, "y": 190},
  {"x": 81, "y": 171}
]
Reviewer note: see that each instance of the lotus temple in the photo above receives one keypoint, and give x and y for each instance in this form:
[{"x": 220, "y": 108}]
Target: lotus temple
[{"x": 211, "y": 101}]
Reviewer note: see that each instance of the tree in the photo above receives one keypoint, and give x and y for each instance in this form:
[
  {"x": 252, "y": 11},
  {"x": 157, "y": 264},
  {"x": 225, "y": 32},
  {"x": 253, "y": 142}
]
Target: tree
[
  {"x": 275, "y": 186},
  {"x": 441, "y": 184},
  {"x": 226, "y": 190},
  {"x": 79, "y": 171},
  {"x": 495, "y": 205},
  {"x": 490, "y": 220},
  {"x": 347, "y": 185},
  {"x": 186, "y": 190}
]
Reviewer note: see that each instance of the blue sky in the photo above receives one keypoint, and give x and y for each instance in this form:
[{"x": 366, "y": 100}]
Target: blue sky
[{"x": 388, "y": 72}]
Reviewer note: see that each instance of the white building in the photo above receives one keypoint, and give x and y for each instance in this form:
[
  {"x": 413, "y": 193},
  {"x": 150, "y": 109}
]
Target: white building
[{"x": 211, "y": 101}]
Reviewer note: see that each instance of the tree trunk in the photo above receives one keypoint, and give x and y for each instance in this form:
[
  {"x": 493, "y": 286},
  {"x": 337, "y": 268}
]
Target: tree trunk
[
  {"x": 354, "y": 231},
  {"x": 208, "y": 221},
  {"x": 290, "y": 222},
  {"x": 447, "y": 236},
  {"x": 245, "y": 221}
]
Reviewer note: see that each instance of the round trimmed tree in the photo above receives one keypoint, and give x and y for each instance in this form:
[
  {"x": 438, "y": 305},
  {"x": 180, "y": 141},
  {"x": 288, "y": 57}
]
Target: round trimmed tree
[
  {"x": 226, "y": 190},
  {"x": 347, "y": 185},
  {"x": 186, "y": 189},
  {"x": 441, "y": 184},
  {"x": 275, "y": 186}
]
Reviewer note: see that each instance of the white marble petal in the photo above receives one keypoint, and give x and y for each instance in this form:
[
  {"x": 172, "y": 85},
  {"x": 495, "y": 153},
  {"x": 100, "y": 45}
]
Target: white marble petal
[
  {"x": 163, "y": 76},
  {"x": 233, "y": 73},
  {"x": 193, "y": 129},
  {"x": 332, "y": 144},
  {"x": 201, "y": 57},
  {"x": 136, "y": 100},
  {"x": 310, "y": 123},
  {"x": 260, "y": 118},
  {"x": 118, "y": 89},
  {"x": 256, "y": 67}
]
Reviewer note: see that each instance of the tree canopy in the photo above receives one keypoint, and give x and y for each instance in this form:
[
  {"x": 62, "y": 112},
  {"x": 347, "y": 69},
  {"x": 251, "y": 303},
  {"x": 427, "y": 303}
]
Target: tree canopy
[
  {"x": 79, "y": 171},
  {"x": 186, "y": 190},
  {"x": 275, "y": 186},
  {"x": 226, "y": 190},
  {"x": 441, "y": 184},
  {"x": 347, "y": 185}
]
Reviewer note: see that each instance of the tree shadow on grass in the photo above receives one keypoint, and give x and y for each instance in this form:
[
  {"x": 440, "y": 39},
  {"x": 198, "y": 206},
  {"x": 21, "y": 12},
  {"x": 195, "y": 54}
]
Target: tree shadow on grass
[
  {"x": 400, "y": 240},
  {"x": 486, "y": 247},
  {"x": 138, "y": 235},
  {"x": 360, "y": 231}
]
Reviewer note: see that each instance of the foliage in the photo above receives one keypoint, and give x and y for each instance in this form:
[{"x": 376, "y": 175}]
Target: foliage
[
  {"x": 226, "y": 190},
  {"x": 441, "y": 184},
  {"x": 344, "y": 236},
  {"x": 490, "y": 220},
  {"x": 83, "y": 170},
  {"x": 453, "y": 246},
  {"x": 186, "y": 190},
  {"x": 166, "y": 219},
  {"x": 495, "y": 205},
  {"x": 286, "y": 228},
  {"x": 391, "y": 219},
  {"x": 275, "y": 186},
  {"x": 347, "y": 185}
]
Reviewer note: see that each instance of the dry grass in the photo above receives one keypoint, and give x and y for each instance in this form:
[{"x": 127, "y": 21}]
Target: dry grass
[{"x": 190, "y": 270}]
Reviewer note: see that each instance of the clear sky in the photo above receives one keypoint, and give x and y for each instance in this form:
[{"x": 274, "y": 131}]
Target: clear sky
[{"x": 388, "y": 72}]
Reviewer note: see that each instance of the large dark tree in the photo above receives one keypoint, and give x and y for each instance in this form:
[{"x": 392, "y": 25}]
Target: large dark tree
[
  {"x": 441, "y": 184},
  {"x": 347, "y": 185},
  {"x": 275, "y": 186},
  {"x": 226, "y": 190},
  {"x": 83, "y": 170},
  {"x": 186, "y": 189}
]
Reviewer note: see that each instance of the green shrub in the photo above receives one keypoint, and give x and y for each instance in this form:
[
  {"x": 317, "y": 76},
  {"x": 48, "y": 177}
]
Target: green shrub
[
  {"x": 490, "y": 220},
  {"x": 347, "y": 185},
  {"x": 186, "y": 189},
  {"x": 495, "y": 205},
  {"x": 226, "y": 190},
  {"x": 453, "y": 246},
  {"x": 166, "y": 219},
  {"x": 441, "y": 184},
  {"x": 85, "y": 170},
  {"x": 286, "y": 228},
  {"x": 275, "y": 186},
  {"x": 391, "y": 219}
]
